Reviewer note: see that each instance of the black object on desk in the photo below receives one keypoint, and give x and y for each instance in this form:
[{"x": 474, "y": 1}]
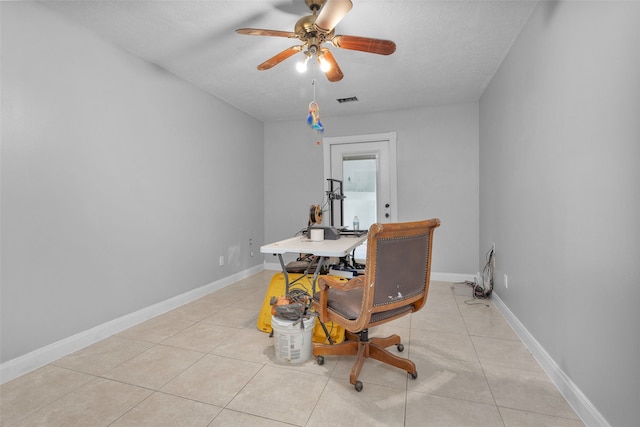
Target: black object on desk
[
  {"x": 355, "y": 233},
  {"x": 330, "y": 233}
]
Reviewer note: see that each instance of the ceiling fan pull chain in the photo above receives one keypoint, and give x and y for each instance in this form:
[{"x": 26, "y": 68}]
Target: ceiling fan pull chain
[{"x": 313, "y": 83}]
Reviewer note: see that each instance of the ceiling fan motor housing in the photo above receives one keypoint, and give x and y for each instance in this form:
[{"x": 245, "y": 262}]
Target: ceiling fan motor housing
[{"x": 305, "y": 28}]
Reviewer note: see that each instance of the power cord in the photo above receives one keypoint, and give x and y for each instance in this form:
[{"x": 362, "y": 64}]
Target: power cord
[
  {"x": 485, "y": 289},
  {"x": 487, "y": 277}
]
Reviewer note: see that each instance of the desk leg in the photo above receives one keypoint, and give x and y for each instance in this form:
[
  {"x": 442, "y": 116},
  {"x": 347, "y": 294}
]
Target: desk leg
[
  {"x": 313, "y": 292},
  {"x": 286, "y": 275},
  {"x": 321, "y": 261}
]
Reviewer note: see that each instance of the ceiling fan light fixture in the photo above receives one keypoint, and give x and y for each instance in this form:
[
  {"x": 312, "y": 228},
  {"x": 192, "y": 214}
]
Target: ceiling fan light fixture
[
  {"x": 302, "y": 65},
  {"x": 324, "y": 64}
]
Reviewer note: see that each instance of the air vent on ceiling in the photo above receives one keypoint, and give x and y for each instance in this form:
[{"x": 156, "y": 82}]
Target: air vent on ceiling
[{"x": 350, "y": 99}]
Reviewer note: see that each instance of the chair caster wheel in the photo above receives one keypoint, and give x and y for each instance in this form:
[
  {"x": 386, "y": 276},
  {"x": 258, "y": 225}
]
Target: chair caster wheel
[
  {"x": 400, "y": 348},
  {"x": 414, "y": 375},
  {"x": 358, "y": 385},
  {"x": 320, "y": 360}
]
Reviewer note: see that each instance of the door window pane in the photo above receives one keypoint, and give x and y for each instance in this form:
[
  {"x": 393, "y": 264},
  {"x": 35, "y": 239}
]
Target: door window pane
[{"x": 359, "y": 184}]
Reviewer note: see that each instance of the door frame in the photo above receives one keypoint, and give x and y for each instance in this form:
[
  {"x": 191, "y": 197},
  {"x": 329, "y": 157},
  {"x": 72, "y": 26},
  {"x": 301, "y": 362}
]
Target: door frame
[{"x": 390, "y": 138}]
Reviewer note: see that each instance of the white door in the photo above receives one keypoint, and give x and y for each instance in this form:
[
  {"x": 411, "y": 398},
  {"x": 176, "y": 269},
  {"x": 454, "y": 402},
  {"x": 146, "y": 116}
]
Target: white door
[{"x": 366, "y": 165}]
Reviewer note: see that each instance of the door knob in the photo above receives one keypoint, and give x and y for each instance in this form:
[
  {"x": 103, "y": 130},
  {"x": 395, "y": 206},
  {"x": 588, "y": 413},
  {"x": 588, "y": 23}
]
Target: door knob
[{"x": 387, "y": 205}]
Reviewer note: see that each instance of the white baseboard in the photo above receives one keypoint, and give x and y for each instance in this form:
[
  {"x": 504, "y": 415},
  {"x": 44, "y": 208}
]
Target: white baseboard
[
  {"x": 441, "y": 277},
  {"x": 452, "y": 277},
  {"x": 576, "y": 399},
  {"x": 47, "y": 354},
  {"x": 272, "y": 266}
]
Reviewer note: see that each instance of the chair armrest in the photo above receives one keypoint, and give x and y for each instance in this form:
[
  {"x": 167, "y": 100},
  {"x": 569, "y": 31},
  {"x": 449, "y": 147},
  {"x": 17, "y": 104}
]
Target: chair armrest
[{"x": 325, "y": 282}]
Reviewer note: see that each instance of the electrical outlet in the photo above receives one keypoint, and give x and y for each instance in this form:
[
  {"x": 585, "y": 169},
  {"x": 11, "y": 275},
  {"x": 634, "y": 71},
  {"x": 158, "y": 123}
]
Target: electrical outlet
[
  {"x": 506, "y": 281},
  {"x": 221, "y": 261}
]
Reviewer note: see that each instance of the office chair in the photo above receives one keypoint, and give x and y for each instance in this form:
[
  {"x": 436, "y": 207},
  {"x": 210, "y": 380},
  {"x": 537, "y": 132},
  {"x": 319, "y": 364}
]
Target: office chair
[{"x": 395, "y": 283}]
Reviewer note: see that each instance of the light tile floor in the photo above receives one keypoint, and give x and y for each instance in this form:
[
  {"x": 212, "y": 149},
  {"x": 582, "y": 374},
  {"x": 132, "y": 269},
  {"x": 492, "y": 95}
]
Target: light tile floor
[{"x": 207, "y": 364}]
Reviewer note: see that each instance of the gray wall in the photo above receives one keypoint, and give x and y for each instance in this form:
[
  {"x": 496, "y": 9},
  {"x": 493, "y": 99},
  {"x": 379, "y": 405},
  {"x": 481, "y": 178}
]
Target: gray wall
[
  {"x": 437, "y": 161},
  {"x": 121, "y": 185},
  {"x": 560, "y": 193}
]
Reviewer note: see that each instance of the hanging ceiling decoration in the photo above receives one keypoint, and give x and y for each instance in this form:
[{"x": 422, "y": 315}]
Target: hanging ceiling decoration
[{"x": 316, "y": 29}]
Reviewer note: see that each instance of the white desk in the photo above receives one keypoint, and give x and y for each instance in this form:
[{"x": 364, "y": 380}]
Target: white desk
[
  {"x": 303, "y": 245},
  {"x": 324, "y": 249}
]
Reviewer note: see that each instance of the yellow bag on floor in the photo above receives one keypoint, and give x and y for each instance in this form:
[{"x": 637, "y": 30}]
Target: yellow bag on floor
[{"x": 297, "y": 282}]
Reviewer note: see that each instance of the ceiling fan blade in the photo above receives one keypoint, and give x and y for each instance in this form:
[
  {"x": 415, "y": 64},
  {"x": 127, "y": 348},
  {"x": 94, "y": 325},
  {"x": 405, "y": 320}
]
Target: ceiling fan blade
[
  {"x": 275, "y": 60},
  {"x": 260, "y": 32},
  {"x": 331, "y": 13},
  {"x": 335, "y": 73},
  {"x": 364, "y": 44}
]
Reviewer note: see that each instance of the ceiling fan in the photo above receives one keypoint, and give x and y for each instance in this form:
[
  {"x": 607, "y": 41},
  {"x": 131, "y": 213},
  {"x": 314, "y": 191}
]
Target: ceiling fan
[{"x": 314, "y": 30}]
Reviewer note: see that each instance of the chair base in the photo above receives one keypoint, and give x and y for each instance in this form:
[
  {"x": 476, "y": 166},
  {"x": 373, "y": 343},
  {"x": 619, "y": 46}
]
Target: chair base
[{"x": 361, "y": 346}]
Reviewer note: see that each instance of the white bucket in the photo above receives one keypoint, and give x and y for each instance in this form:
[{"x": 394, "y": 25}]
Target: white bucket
[{"x": 292, "y": 342}]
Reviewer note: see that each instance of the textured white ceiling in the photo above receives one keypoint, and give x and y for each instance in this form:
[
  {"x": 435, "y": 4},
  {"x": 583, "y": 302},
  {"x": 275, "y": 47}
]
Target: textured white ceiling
[{"x": 447, "y": 51}]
